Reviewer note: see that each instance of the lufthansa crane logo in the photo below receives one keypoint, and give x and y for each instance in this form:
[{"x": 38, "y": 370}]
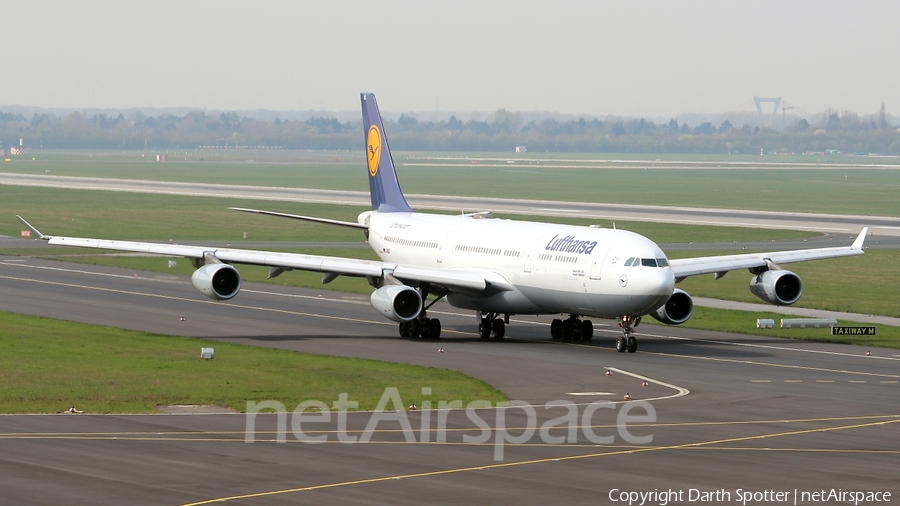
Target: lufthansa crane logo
[{"x": 373, "y": 149}]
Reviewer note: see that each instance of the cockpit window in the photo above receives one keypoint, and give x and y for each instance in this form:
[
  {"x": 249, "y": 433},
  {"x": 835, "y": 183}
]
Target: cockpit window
[{"x": 648, "y": 262}]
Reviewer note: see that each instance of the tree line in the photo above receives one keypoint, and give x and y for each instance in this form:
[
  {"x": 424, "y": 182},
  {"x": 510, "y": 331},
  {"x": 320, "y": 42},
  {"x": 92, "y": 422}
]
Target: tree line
[{"x": 844, "y": 131}]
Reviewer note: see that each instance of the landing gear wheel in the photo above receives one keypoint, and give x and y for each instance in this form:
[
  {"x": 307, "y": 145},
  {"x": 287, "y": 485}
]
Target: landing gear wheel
[
  {"x": 435, "y": 325},
  {"x": 627, "y": 342},
  {"x": 499, "y": 329},
  {"x": 556, "y": 329},
  {"x": 587, "y": 330},
  {"x": 567, "y": 330},
  {"x": 425, "y": 328},
  {"x": 415, "y": 329},
  {"x": 421, "y": 325},
  {"x": 632, "y": 344},
  {"x": 484, "y": 328}
]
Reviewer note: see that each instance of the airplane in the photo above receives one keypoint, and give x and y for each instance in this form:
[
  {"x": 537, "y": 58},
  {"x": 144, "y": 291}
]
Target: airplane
[{"x": 495, "y": 267}]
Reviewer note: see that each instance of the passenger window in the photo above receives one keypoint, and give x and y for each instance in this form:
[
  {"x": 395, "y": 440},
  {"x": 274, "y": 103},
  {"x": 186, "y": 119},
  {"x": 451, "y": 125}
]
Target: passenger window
[
  {"x": 662, "y": 262},
  {"x": 628, "y": 262},
  {"x": 648, "y": 262}
]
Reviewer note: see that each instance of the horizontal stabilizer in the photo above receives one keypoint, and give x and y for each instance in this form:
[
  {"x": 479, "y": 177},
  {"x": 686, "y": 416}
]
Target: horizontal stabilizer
[{"x": 305, "y": 218}]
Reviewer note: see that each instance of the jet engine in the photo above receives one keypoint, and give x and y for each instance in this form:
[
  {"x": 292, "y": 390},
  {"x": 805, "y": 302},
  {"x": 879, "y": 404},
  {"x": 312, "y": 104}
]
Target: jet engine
[
  {"x": 217, "y": 281},
  {"x": 780, "y": 287},
  {"x": 677, "y": 310},
  {"x": 399, "y": 303}
]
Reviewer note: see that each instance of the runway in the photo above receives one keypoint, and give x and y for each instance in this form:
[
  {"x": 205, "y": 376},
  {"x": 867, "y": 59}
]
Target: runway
[
  {"x": 731, "y": 411},
  {"x": 822, "y": 223}
]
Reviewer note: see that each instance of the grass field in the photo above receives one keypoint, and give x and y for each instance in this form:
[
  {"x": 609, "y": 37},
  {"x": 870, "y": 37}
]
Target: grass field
[
  {"x": 140, "y": 216},
  {"x": 47, "y": 365},
  {"x": 843, "y": 185}
]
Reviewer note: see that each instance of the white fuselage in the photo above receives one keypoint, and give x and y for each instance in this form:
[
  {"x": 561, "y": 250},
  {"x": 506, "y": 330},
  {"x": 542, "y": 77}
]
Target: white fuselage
[{"x": 537, "y": 268}]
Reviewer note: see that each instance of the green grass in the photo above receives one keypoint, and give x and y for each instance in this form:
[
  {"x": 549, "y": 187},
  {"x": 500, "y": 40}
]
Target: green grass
[
  {"x": 149, "y": 217},
  {"x": 48, "y": 365},
  {"x": 135, "y": 216},
  {"x": 826, "y": 184},
  {"x": 744, "y": 322},
  {"x": 664, "y": 233}
]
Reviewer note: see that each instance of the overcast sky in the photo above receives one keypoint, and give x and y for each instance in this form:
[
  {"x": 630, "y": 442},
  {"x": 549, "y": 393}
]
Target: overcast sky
[{"x": 651, "y": 58}]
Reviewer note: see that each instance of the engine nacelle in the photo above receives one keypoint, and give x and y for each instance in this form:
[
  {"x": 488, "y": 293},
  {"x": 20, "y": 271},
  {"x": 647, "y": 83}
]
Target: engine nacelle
[
  {"x": 217, "y": 281},
  {"x": 399, "y": 303},
  {"x": 781, "y": 288},
  {"x": 677, "y": 310}
]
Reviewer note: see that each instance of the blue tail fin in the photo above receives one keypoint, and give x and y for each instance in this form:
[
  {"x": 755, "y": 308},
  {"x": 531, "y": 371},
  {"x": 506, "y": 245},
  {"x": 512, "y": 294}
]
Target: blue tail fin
[{"x": 384, "y": 186}]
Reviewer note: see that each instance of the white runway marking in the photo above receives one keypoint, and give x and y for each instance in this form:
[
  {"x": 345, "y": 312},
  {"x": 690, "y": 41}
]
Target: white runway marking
[{"x": 681, "y": 391}]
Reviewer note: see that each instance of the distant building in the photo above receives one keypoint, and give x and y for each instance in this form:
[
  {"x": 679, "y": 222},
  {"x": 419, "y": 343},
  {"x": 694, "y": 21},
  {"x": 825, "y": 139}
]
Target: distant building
[
  {"x": 21, "y": 149},
  {"x": 521, "y": 149}
]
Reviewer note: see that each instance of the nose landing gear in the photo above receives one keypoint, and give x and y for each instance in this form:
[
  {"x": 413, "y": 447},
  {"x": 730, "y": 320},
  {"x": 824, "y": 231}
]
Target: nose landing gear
[{"x": 627, "y": 342}]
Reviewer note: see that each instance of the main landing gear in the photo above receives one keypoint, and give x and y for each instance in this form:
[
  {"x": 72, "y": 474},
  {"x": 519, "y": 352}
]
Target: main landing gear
[
  {"x": 492, "y": 325},
  {"x": 572, "y": 328},
  {"x": 421, "y": 326},
  {"x": 627, "y": 342}
]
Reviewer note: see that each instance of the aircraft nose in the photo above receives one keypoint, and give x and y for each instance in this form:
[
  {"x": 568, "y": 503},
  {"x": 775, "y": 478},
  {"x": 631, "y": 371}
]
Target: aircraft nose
[{"x": 666, "y": 281}]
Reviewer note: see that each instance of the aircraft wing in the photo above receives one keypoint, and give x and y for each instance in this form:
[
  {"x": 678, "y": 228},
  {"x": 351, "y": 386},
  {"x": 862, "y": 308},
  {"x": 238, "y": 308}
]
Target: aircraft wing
[
  {"x": 452, "y": 279},
  {"x": 472, "y": 281},
  {"x": 684, "y": 267}
]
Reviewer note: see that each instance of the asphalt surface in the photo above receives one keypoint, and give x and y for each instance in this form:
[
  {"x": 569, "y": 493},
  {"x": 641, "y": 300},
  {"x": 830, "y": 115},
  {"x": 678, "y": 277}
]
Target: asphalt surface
[
  {"x": 731, "y": 412},
  {"x": 823, "y": 223}
]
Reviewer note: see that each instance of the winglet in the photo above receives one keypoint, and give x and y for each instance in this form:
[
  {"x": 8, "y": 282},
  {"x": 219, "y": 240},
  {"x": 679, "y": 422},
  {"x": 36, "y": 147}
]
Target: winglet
[
  {"x": 860, "y": 239},
  {"x": 384, "y": 186},
  {"x": 36, "y": 231}
]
